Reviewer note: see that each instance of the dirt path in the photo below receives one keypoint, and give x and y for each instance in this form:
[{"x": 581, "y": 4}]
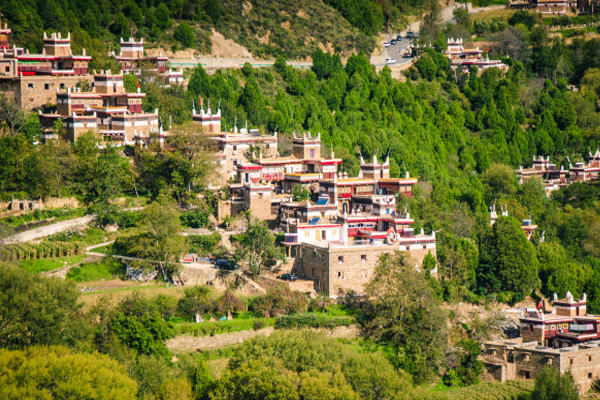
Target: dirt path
[
  {"x": 192, "y": 343},
  {"x": 44, "y": 231}
]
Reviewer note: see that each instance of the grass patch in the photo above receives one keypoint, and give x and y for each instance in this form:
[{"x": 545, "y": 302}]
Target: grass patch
[
  {"x": 482, "y": 391},
  {"x": 49, "y": 264},
  {"x": 212, "y": 328},
  {"x": 95, "y": 271},
  {"x": 89, "y": 236}
]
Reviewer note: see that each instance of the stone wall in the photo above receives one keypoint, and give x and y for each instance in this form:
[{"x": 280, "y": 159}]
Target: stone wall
[
  {"x": 229, "y": 208},
  {"x": 197, "y": 276},
  {"x": 269, "y": 283},
  {"x": 531, "y": 332},
  {"x": 37, "y": 91},
  {"x": 11, "y": 88},
  {"x": 17, "y": 205},
  {"x": 494, "y": 372},
  {"x": 60, "y": 202},
  {"x": 337, "y": 269},
  {"x": 584, "y": 364}
]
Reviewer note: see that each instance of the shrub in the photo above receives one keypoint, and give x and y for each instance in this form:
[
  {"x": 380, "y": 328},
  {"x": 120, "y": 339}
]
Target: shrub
[
  {"x": 195, "y": 218},
  {"x": 259, "y": 324},
  {"x": 229, "y": 302},
  {"x": 279, "y": 301},
  {"x": 185, "y": 35},
  {"x": 309, "y": 321},
  {"x": 29, "y": 251},
  {"x": 203, "y": 244}
]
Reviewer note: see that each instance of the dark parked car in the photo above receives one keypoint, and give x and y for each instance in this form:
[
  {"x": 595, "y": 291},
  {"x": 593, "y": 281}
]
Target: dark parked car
[
  {"x": 393, "y": 42},
  {"x": 410, "y": 34},
  {"x": 226, "y": 265},
  {"x": 287, "y": 277},
  {"x": 399, "y": 38}
]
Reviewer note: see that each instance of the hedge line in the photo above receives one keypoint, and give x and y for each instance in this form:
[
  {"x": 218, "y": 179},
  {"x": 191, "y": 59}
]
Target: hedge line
[
  {"x": 28, "y": 251},
  {"x": 310, "y": 321}
]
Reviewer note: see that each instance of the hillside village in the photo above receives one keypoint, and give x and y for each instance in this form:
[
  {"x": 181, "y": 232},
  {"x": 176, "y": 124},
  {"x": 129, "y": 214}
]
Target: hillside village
[{"x": 419, "y": 218}]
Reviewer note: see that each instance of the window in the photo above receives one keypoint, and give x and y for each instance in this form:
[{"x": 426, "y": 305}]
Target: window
[
  {"x": 62, "y": 85},
  {"x": 46, "y": 86},
  {"x": 589, "y": 358},
  {"x": 334, "y": 232},
  {"x": 340, "y": 259},
  {"x": 527, "y": 375},
  {"x": 363, "y": 258},
  {"x": 30, "y": 85},
  {"x": 312, "y": 153},
  {"x": 234, "y": 148},
  {"x": 6, "y": 69},
  {"x": 363, "y": 273},
  {"x": 260, "y": 195},
  {"x": 571, "y": 361},
  {"x": 526, "y": 357},
  {"x": 306, "y": 233},
  {"x": 341, "y": 275},
  {"x": 589, "y": 375}
]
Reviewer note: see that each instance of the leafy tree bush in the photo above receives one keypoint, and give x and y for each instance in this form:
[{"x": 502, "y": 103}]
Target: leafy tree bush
[
  {"x": 551, "y": 385},
  {"x": 57, "y": 373},
  {"x": 185, "y": 35},
  {"x": 404, "y": 313},
  {"x": 35, "y": 310},
  {"x": 292, "y": 364},
  {"x": 278, "y": 301},
  {"x": 507, "y": 255},
  {"x": 195, "y": 218}
]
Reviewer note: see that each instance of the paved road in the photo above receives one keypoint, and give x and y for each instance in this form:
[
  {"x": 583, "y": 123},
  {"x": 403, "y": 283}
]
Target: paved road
[{"x": 395, "y": 51}]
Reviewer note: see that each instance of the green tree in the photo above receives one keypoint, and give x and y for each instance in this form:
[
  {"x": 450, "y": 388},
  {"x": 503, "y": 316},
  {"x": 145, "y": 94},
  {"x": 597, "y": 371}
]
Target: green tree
[
  {"x": 35, "y": 310},
  {"x": 257, "y": 245},
  {"x": 499, "y": 182},
  {"x": 185, "y": 34},
  {"x": 551, "y": 385},
  {"x": 202, "y": 381},
  {"x": 404, "y": 313},
  {"x": 57, "y": 373},
  {"x": 160, "y": 241},
  {"x": 145, "y": 334},
  {"x": 511, "y": 255},
  {"x": 57, "y": 164},
  {"x": 469, "y": 367},
  {"x": 163, "y": 16},
  {"x": 121, "y": 26},
  {"x": 213, "y": 10},
  {"x": 130, "y": 82}
]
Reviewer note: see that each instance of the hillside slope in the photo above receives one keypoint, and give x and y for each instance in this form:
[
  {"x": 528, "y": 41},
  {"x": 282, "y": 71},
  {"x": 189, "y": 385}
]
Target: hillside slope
[
  {"x": 293, "y": 29},
  {"x": 267, "y": 28}
]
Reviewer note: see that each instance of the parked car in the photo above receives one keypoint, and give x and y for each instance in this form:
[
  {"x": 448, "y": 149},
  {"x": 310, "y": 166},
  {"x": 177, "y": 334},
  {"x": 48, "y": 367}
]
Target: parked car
[
  {"x": 393, "y": 41},
  {"x": 410, "y": 34},
  {"x": 399, "y": 38},
  {"x": 390, "y": 61},
  {"x": 287, "y": 277},
  {"x": 386, "y": 44},
  {"x": 406, "y": 55},
  {"x": 226, "y": 265}
]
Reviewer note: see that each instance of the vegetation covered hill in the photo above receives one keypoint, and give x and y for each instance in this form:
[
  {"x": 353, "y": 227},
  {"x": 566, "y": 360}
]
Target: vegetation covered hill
[{"x": 267, "y": 28}]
